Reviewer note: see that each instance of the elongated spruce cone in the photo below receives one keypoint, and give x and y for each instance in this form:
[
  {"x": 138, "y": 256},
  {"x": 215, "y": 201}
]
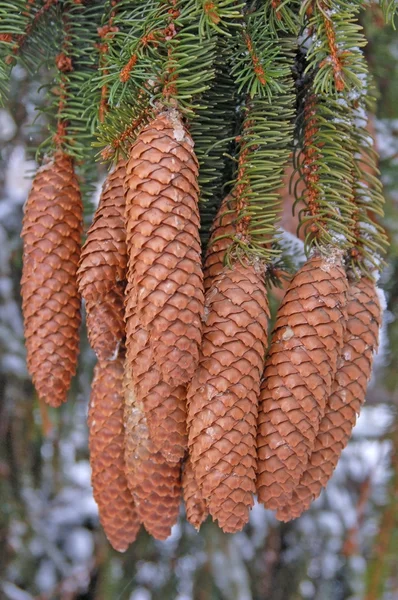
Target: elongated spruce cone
[
  {"x": 164, "y": 272},
  {"x": 222, "y": 232},
  {"x": 103, "y": 266},
  {"x": 52, "y": 229},
  {"x": 348, "y": 394},
  {"x": 298, "y": 376},
  {"x": 164, "y": 404},
  {"x": 117, "y": 512},
  {"x": 154, "y": 483},
  {"x": 195, "y": 505},
  {"x": 223, "y": 395}
]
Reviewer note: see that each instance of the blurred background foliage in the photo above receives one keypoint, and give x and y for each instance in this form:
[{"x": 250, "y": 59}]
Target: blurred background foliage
[{"x": 345, "y": 547}]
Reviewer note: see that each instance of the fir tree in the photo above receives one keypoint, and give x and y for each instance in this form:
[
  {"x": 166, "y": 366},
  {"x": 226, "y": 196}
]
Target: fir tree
[{"x": 199, "y": 107}]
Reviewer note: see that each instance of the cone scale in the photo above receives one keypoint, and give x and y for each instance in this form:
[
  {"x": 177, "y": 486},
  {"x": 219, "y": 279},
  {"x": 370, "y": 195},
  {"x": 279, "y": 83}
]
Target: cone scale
[
  {"x": 222, "y": 233},
  {"x": 195, "y": 505}
]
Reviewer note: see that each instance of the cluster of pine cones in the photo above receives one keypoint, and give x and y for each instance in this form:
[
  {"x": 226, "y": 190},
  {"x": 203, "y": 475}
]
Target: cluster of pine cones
[{"x": 181, "y": 403}]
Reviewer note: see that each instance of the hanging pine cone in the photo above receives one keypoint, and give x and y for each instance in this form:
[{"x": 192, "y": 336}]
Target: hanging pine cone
[
  {"x": 164, "y": 299},
  {"x": 162, "y": 220},
  {"x": 117, "y": 512},
  {"x": 223, "y": 395},
  {"x": 52, "y": 228},
  {"x": 102, "y": 268},
  {"x": 164, "y": 404},
  {"x": 154, "y": 483},
  {"x": 195, "y": 505},
  {"x": 298, "y": 376},
  {"x": 222, "y": 232},
  {"x": 348, "y": 395}
]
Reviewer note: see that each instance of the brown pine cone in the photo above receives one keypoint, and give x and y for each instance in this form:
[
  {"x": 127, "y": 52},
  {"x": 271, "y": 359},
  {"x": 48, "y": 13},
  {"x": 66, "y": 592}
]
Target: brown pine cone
[
  {"x": 52, "y": 229},
  {"x": 162, "y": 220},
  {"x": 298, "y": 376},
  {"x": 154, "y": 483},
  {"x": 223, "y": 395},
  {"x": 348, "y": 394},
  {"x": 164, "y": 404},
  {"x": 102, "y": 268},
  {"x": 117, "y": 512},
  {"x": 195, "y": 505},
  {"x": 222, "y": 232}
]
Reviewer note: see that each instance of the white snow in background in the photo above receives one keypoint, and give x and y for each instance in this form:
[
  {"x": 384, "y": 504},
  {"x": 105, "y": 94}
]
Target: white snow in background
[
  {"x": 386, "y": 138},
  {"x": 259, "y": 520},
  {"x": 373, "y": 421},
  {"x": 381, "y": 294},
  {"x": 46, "y": 576},
  {"x": 12, "y": 592},
  {"x": 307, "y": 589},
  {"x": 80, "y": 473},
  {"x": 79, "y": 545},
  {"x": 8, "y": 127},
  {"x": 95, "y": 198},
  {"x": 380, "y": 358},
  {"x": 141, "y": 593},
  {"x": 18, "y": 179},
  {"x": 292, "y": 246},
  {"x": 151, "y": 574},
  {"x": 230, "y": 572}
]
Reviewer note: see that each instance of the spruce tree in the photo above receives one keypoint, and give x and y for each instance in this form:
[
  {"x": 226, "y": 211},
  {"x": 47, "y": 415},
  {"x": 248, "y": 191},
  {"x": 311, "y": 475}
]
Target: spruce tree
[{"x": 197, "y": 109}]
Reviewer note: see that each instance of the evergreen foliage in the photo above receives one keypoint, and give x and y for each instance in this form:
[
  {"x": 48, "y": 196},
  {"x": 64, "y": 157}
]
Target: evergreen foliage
[{"x": 227, "y": 67}]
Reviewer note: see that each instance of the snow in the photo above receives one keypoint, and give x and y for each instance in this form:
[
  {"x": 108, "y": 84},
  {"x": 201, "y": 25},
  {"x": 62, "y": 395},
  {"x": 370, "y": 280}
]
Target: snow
[
  {"x": 307, "y": 589},
  {"x": 13, "y": 592},
  {"x": 141, "y": 593},
  {"x": 8, "y": 127},
  {"x": 18, "y": 178},
  {"x": 292, "y": 246},
  {"x": 373, "y": 421},
  {"x": 79, "y": 545}
]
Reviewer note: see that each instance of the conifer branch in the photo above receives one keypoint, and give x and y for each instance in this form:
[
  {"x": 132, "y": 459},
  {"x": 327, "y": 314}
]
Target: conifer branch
[
  {"x": 265, "y": 145},
  {"x": 334, "y": 53},
  {"x": 282, "y": 16},
  {"x": 213, "y": 129},
  {"x": 69, "y": 121},
  {"x": 389, "y": 8},
  {"x": 324, "y": 162},
  {"x": 220, "y": 16},
  {"x": 259, "y": 60},
  {"x": 18, "y": 22},
  {"x": 106, "y": 32},
  {"x": 365, "y": 257}
]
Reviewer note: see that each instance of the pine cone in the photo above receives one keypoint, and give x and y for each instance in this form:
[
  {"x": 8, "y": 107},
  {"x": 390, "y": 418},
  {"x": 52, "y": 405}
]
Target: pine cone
[
  {"x": 223, "y": 395},
  {"x": 52, "y": 228},
  {"x": 164, "y": 404},
  {"x": 106, "y": 442},
  {"x": 348, "y": 395},
  {"x": 195, "y": 505},
  {"x": 222, "y": 232},
  {"x": 154, "y": 483},
  {"x": 298, "y": 376},
  {"x": 102, "y": 269},
  {"x": 162, "y": 220}
]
